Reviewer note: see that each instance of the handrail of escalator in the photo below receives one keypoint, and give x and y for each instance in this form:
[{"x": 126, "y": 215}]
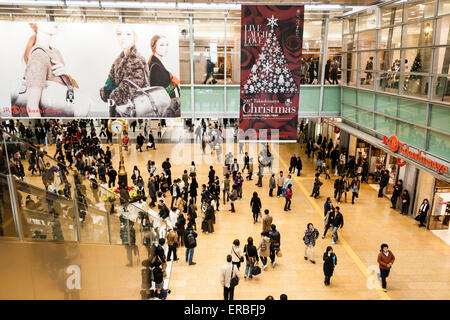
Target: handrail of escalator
[{"x": 74, "y": 172}]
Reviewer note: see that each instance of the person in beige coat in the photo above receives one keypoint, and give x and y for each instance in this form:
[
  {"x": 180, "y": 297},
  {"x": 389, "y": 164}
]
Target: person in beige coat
[
  {"x": 264, "y": 248},
  {"x": 267, "y": 221},
  {"x": 227, "y": 272},
  {"x": 173, "y": 243}
]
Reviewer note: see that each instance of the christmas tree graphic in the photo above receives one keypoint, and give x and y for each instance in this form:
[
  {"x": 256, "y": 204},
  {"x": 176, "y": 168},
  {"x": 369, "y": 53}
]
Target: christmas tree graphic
[{"x": 270, "y": 74}]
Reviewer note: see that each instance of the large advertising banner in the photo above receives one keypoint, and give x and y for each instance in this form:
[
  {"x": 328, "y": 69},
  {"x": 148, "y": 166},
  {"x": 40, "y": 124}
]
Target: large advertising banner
[
  {"x": 271, "y": 49},
  {"x": 66, "y": 70}
]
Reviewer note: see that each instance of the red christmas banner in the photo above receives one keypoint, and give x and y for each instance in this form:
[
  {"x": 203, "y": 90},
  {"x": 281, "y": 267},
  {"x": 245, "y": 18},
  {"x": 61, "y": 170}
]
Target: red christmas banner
[{"x": 271, "y": 49}]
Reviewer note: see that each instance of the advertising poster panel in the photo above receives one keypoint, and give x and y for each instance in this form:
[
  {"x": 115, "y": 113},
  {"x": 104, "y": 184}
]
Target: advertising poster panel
[
  {"x": 67, "y": 70},
  {"x": 271, "y": 50}
]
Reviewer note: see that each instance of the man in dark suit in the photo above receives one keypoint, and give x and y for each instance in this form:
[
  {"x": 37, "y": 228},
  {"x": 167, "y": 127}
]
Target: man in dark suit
[
  {"x": 293, "y": 163},
  {"x": 112, "y": 174},
  {"x": 384, "y": 180}
]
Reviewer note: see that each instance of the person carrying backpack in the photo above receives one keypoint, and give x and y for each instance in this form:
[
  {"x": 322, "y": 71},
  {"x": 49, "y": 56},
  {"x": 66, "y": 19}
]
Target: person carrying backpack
[{"x": 190, "y": 243}]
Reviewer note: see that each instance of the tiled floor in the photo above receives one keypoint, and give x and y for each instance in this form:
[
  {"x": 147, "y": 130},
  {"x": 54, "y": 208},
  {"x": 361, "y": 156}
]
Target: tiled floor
[{"x": 422, "y": 259}]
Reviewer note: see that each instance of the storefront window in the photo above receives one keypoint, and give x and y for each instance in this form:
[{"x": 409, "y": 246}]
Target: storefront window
[
  {"x": 351, "y": 78},
  {"x": 310, "y": 69},
  {"x": 209, "y": 38},
  {"x": 444, "y": 7},
  {"x": 234, "y": 35},
  {"x": 366, "y": 79},
  {"x": 418, "y": 34},
  {"x": 367, "y": 61},
  {"x": 442, "y": 31},
  {"x": 389, "y": 60},
  {"x": 416, "y": 85},
  {"x": 333, "y": 69},
  {"x": 367, "y": 20},
  {"x": 439, "y": 215},
  {"x": 441, "y": 63},
  {"x": 350, "y": 42},
  {"x": 441, "y": 89},
  {"x": 420, "y": 9},
  {"x": 350, "y": 61},
  {"x": 312, "y": 34},
  {"x": 335, "y": 35},
  {"x": 391, "y": 38},
  {"x": 350, "y": 25},
  {"x": 417, "y": 60},
  {"x": 389, "y": 82},
  {"x": 367, "y": 40},
  {"x": 391, "y": 15}
]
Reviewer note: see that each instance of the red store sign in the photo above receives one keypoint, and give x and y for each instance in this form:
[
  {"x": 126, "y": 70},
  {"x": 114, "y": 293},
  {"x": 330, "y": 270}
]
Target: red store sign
[{"x": 397, "y": 146}]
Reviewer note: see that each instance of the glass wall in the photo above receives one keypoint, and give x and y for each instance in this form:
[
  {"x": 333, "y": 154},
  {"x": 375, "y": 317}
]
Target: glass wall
[{"x": 400, "y": 66}]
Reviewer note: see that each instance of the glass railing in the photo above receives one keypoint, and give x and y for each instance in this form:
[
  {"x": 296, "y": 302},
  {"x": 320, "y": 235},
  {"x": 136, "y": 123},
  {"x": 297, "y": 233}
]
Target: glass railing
[{"x": 42, "y": 199}]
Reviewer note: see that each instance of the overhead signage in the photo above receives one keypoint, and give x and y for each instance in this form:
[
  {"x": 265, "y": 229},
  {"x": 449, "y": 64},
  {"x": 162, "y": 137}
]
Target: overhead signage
[{"x": 397, "y": 146}]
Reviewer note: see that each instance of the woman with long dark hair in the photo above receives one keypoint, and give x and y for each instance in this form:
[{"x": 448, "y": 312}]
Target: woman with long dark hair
[
  {"x": 161, "y": 77},
  {"x": 255, "y": 203},
  {"x": 329, "y": 261}
]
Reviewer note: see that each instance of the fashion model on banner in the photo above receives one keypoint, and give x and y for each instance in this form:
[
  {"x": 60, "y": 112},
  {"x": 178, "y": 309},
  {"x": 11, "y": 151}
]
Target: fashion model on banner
[
  {"x": 161, "y": 77},
  {"x": 127, "y": 75},
  {"x": 47, "y": 89}
]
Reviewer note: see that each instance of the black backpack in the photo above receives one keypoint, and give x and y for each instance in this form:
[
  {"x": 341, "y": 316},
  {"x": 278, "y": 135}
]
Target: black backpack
[{"x": 190, "y": 239}]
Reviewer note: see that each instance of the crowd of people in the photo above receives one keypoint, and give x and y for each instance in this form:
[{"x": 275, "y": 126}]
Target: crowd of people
[{"x": 81, "y": 150}]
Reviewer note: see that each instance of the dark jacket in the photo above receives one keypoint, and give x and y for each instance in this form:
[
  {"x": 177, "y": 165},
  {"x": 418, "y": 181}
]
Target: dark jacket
[
  {"x": 255, "y": 204},
  {"x": 397, "y": 190},
  {"x": 159, "y": 76},
  {"x": 338, "y": 220},
  {"x": 158, "y": 274},
  {"x": 140, "y": 140},
  {"x": 186, "y": 243},
  {"x": 339, "y": 184},
  {"x": 384, "y": 179},
  {"x": 164, "y": 212},
  {"x": 251, "y": 251},
  {"x": 326, "y": 207},
  {"x": 293, "y": 162},
  {"x": 328, "y": 264},
  {"x": 151, "y": 189},
  {"x": 209, "y": 214}
]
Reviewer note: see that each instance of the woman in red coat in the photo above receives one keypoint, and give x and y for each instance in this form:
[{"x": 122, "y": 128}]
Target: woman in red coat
[
  {"x": 385, "y": 260},
  {"x": 287, "y": 205}
]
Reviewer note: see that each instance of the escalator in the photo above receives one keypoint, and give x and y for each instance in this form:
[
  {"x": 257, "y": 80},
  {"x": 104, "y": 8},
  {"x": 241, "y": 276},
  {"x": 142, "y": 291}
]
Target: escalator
[{"x": 60, "y": 239}]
